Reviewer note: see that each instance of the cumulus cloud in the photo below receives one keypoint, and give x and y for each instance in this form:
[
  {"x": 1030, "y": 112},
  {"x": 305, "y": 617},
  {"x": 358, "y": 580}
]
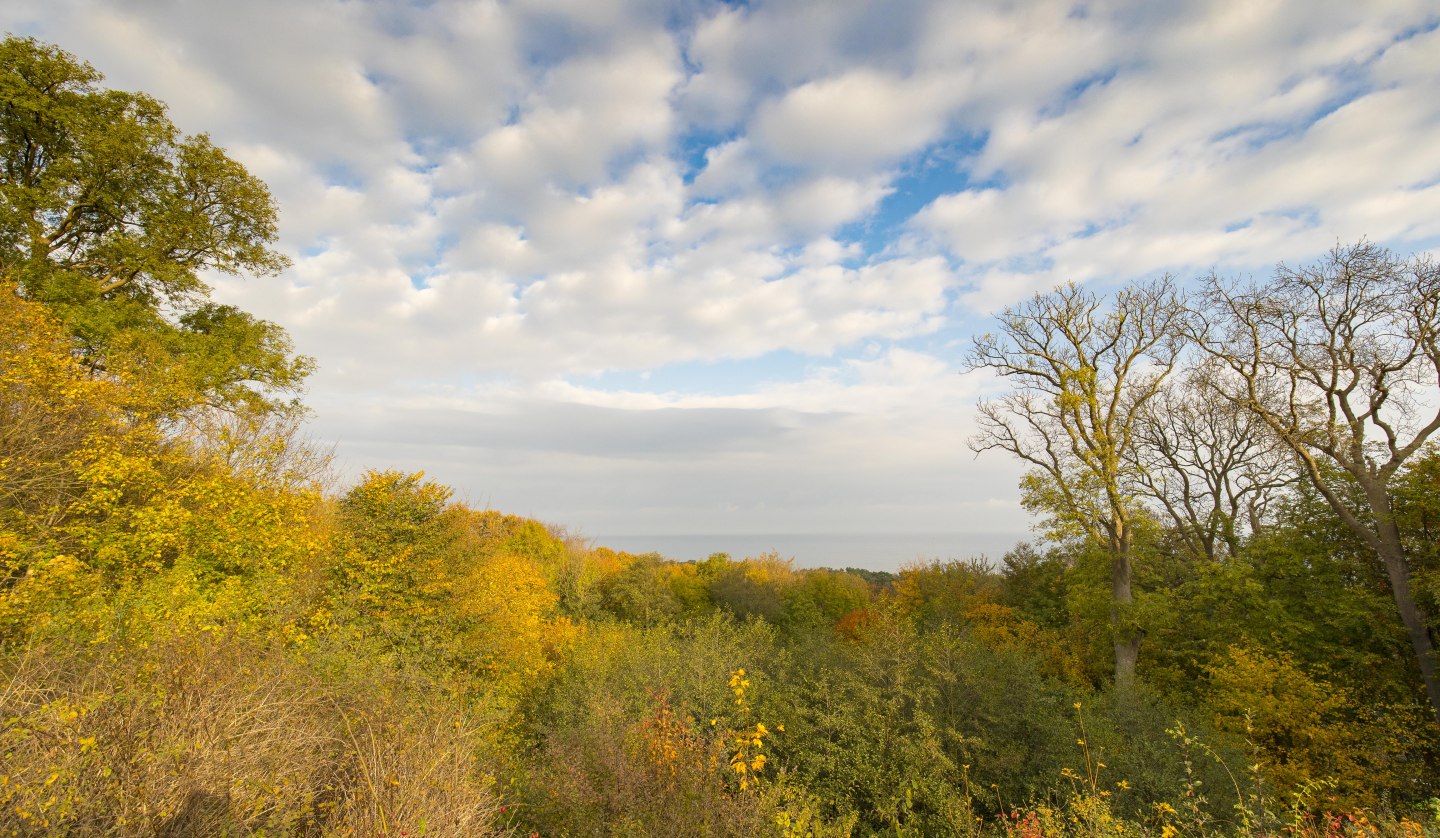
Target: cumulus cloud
[
  {"x": 496, "y": 209},
  {"x": 854, "y": 121},
  {"x": 1228, "y": 137}
]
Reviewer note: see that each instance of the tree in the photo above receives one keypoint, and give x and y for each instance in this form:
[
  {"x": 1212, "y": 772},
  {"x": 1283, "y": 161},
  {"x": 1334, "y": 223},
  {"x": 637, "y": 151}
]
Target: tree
[
  {"x": 109, "y": 215},
  {"x": 1417, "y": 496},
  {"x": 395, "y": 530},
  {"x": 441, "y": 583},
  {"x": 640, "y": 592},
  {"x": 98, "y": 502},
  {"x": 1215, "y": 471},
  {"x": 1341, "y": 362},
  {"x": 51, "y": 416},
  {"x": 1083, "y": 373},
  {"x": 49, "y": 411},
  {"x": 1303, "y": 725}
]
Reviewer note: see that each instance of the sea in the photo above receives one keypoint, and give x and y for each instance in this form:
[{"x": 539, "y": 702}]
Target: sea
[{"x": 872, "y": 551}]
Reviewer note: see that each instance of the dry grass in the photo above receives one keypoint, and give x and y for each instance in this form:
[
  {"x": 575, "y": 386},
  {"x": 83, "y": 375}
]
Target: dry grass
[{"x": 206, "y": 735}]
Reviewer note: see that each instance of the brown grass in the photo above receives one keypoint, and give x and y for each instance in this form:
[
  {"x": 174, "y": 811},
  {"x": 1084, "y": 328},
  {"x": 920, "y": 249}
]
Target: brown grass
[{"x": 215, "y": 735}]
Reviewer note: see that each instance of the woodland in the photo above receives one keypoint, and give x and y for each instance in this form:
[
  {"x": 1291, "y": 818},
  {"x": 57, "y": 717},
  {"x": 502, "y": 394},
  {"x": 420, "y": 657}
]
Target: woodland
[{"x": 1224, "y": 626}]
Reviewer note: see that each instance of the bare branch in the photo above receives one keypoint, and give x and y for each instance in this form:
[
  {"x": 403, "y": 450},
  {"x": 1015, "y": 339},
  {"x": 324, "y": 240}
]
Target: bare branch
[{"x": 1340, "y": 360}]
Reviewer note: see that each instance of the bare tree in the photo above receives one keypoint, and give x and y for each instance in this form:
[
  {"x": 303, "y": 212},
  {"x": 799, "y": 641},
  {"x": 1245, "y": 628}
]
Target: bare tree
[
  {"x": 268, "y": 445},
  {"x": 1083, "y": 371},
  {"x": 1214, "y": 469},
  {"x": 1341, "y": 361}
]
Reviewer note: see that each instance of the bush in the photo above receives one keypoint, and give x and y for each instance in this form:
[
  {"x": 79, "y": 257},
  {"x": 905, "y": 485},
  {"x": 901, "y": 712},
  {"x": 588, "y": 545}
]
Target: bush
[{"x": 211, "y": 734}]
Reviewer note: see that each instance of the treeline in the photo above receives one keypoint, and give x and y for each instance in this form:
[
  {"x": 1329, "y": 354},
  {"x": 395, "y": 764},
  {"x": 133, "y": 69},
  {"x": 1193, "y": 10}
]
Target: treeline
[{"x": 201, "y": 635}]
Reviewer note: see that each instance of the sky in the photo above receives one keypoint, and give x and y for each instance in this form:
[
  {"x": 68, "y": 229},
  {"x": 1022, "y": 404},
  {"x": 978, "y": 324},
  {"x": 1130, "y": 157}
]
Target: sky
[{"x": 705, "y": 274}]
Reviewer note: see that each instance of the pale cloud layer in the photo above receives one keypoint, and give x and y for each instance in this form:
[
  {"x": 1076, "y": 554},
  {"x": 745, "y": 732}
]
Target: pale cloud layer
[{"x": 674, "y": 267}]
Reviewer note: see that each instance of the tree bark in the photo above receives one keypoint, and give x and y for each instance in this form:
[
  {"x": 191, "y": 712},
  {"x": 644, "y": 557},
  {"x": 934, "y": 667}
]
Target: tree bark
[
  {"x": 1127, "y": 637},
  {"x": 1390, "y": 550}
]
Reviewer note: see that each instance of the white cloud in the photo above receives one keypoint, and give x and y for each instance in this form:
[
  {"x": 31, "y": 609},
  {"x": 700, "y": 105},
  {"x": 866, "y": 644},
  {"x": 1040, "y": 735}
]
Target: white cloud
[
  {"x": 1208, "y": 145},
  {"x": 585, "y": 112},
  {"x": 490, "y": 202},
  {"x": 743, "y": 55},
  {"x": 854, "y": 121}
]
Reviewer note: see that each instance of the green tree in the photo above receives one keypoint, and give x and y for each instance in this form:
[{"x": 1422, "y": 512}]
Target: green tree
[
  {"x": 755, "y": 587},
  {"x": 109, "y": 215},
  {"x": 641, "y": 593},
  {"x": 1304, "y": 726},
  {"x": 396, "y": 532},
  {"x": 820, "y": 597},
  {"x": 1417, "y": 507},
  {"x": 1083, "y": 371},
  {"x": 1339, "y": 361},
  {"x": 1300, "y": 586}
]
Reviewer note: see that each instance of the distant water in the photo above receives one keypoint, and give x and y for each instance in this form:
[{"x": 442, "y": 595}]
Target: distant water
[{"x": 875, "y": 551}]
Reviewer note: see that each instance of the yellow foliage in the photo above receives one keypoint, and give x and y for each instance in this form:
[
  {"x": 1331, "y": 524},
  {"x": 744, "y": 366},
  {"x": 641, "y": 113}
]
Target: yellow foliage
[
  {"x": 938, "y": 591},
  {"x": 95, "y": 496},
  {"x": 769, "y": 569},
  {"x": 608, "y": 562},
  {"x": 999, "y": 626},
  {"x": 507, "y": 608},
  {"x": 444, "y": 583},
  {"x": 1306, "y": 729},
  {"x": 52, "y": 414},
  {"x": 747, "y": 742}
]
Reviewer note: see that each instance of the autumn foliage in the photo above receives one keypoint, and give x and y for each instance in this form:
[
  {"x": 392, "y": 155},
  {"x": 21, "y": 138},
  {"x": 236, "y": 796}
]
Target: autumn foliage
[
  {"x": 200, "y": 638},
  {"x": 201, "y": 633}
]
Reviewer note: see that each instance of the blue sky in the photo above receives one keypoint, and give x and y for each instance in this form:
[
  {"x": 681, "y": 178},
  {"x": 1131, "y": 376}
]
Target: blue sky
[{"x": 642, "y": 267}]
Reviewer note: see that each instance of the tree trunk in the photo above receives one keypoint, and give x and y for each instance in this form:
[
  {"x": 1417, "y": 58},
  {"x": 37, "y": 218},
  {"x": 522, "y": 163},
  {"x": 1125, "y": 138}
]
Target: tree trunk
[
  {"x": 1391, "y": 552},
  {"x": 1127, "y": 652},
  {"x": 1127, "y": 638}
]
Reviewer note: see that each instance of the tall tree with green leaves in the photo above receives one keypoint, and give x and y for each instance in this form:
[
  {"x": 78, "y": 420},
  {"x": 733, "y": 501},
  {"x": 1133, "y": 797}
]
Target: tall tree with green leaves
[
  {"x": 1083, "y": 371},
  {"x": 110, "y": 216},
  {"x": 1341, "y": 361}
]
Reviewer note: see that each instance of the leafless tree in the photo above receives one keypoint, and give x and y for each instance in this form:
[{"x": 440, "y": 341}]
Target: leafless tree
[
  {"x": 268, "y": 445},
  {"x": 1084, "y": 369},
  {"x": 1216, "y": 471},
  {"x": 1341, "y": 361}
]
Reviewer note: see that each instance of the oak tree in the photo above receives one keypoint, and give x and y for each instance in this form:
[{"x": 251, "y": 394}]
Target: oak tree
[
  {"x": 1215, "y": 471},
  {"x": 111, "y": 216}
]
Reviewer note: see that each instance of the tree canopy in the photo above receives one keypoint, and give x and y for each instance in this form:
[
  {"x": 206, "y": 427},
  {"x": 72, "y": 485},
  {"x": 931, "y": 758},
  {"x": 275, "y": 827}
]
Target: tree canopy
[
  {"x": 1340, "y": 360},
  {"x": 111, "y": 216}
]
